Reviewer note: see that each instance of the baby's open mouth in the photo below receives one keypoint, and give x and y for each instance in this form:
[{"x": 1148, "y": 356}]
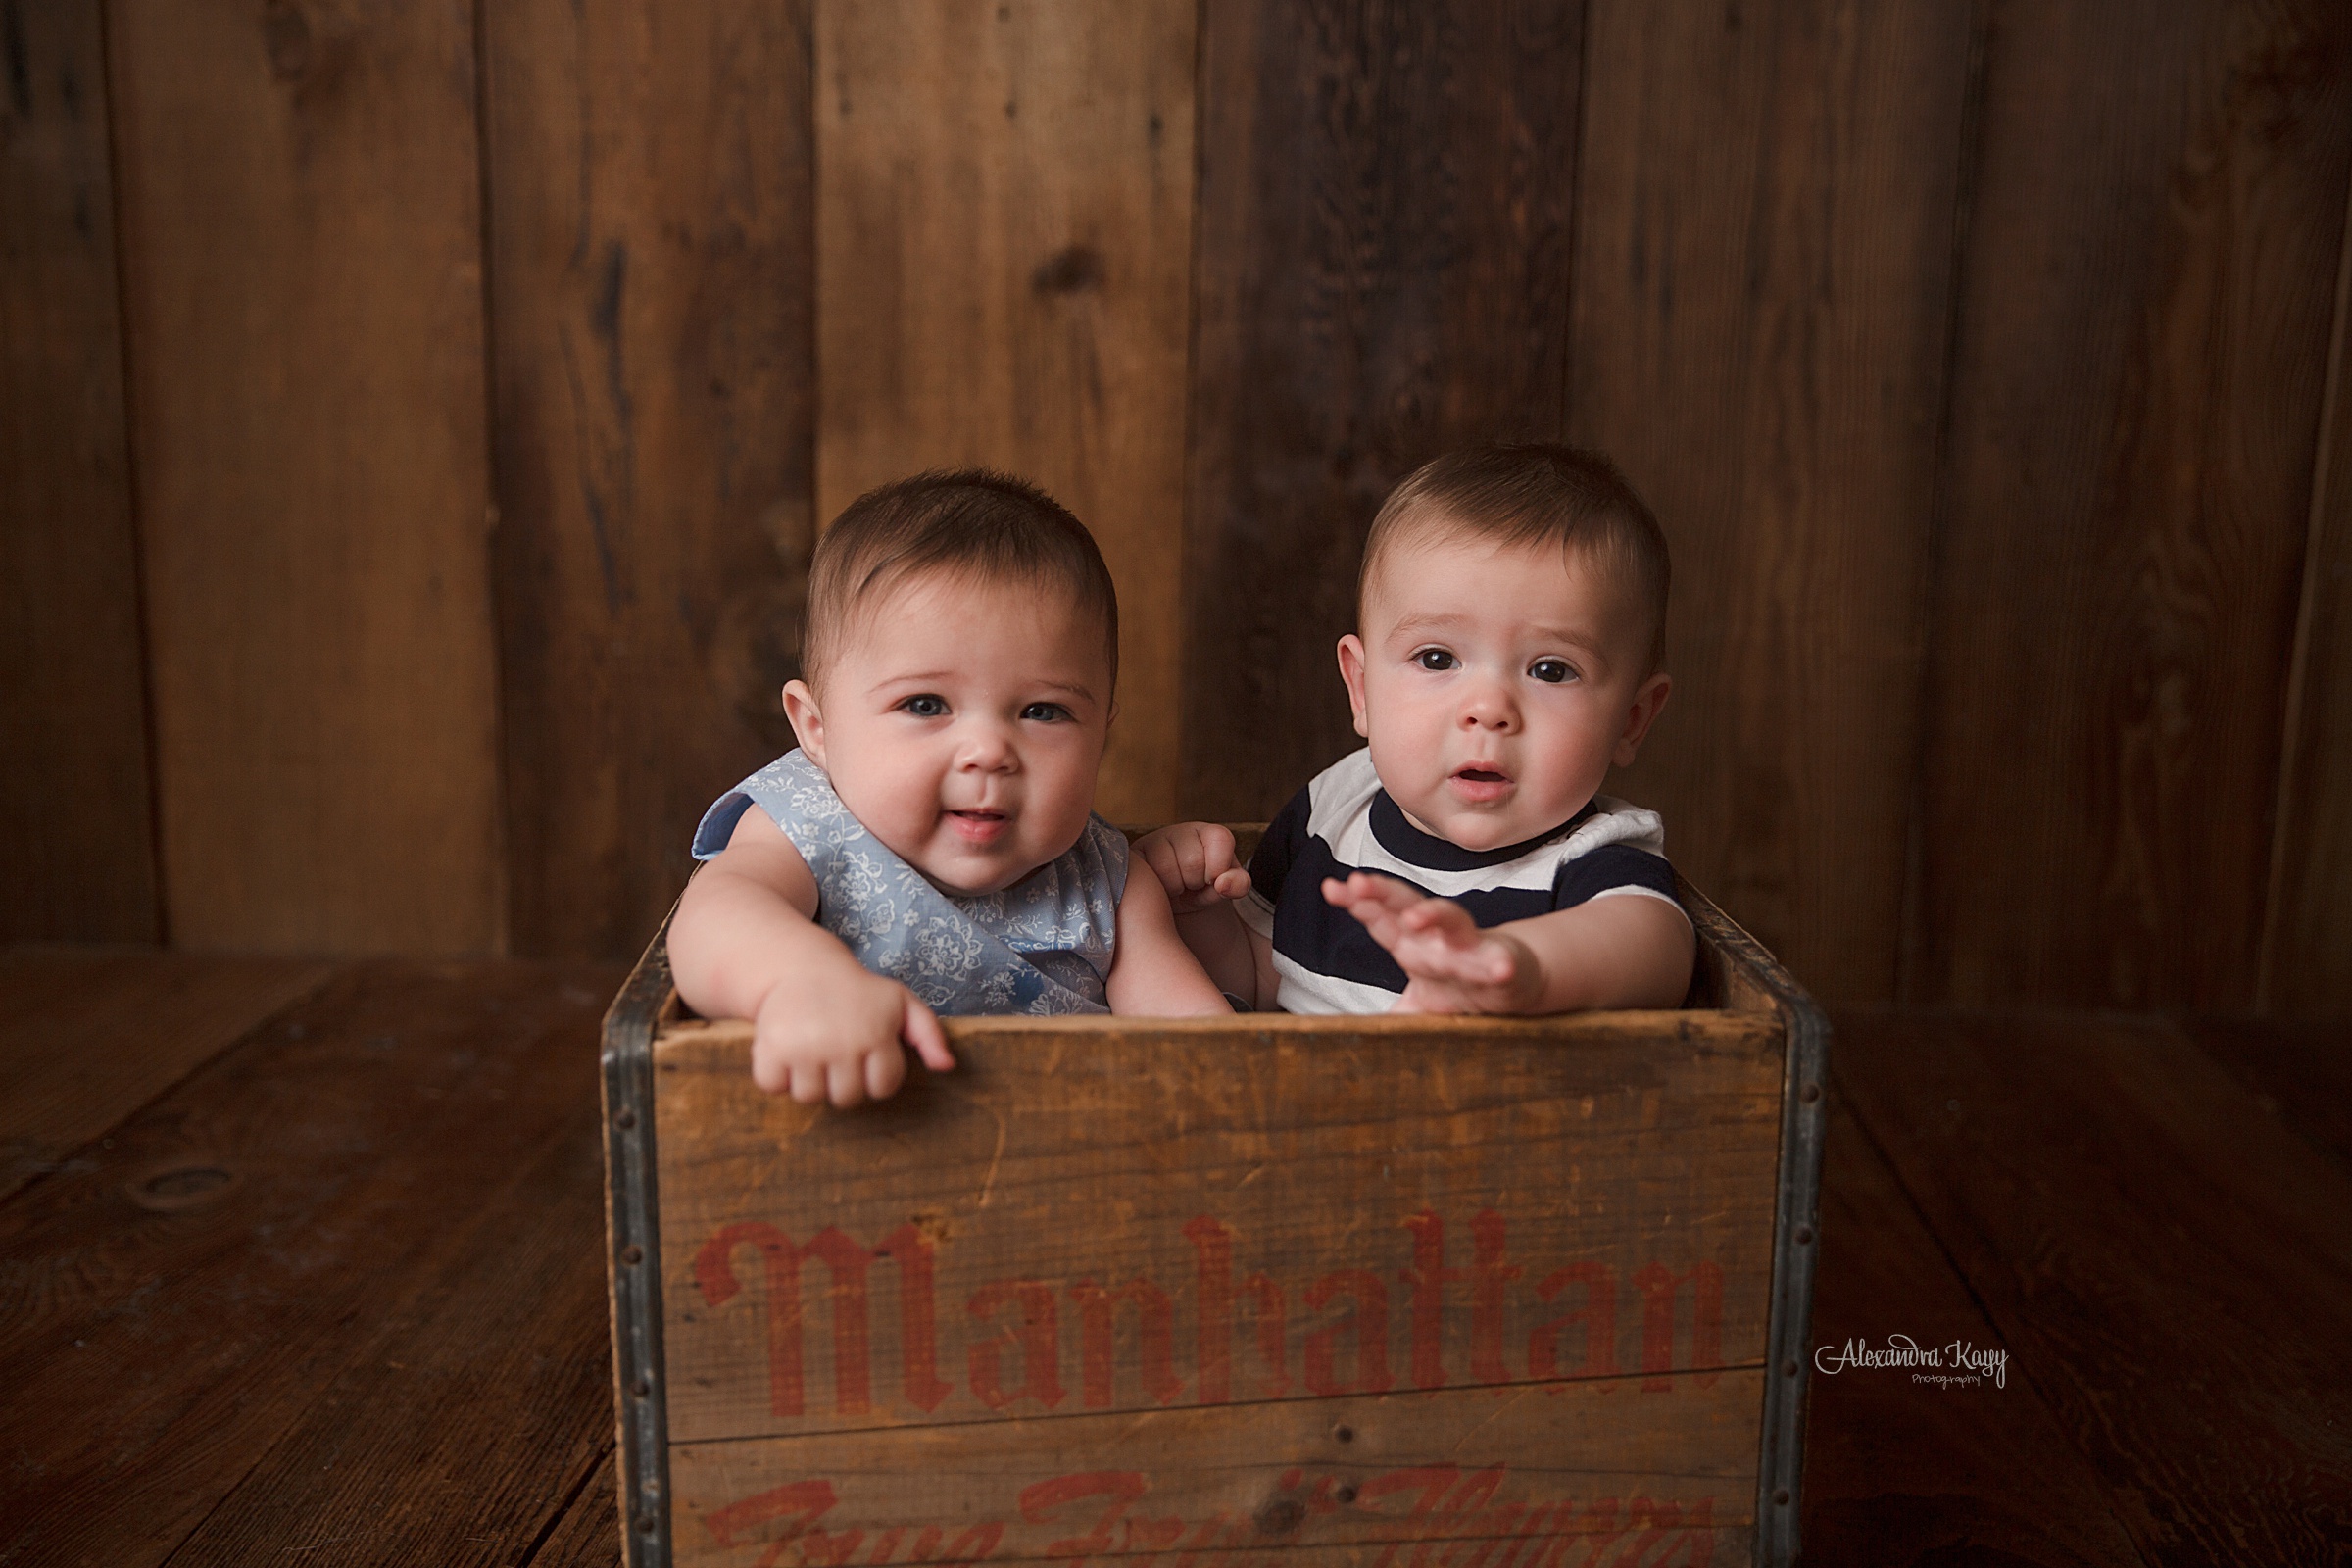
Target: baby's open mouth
[
  {"x": 1480, "y": 786},
  {"x": 978, "y": 826}
]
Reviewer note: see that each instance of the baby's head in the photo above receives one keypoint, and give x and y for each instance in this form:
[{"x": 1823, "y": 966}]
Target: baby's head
[
  {"x": 1511, "y": 622},
  {"x": 958, "y": 659}
]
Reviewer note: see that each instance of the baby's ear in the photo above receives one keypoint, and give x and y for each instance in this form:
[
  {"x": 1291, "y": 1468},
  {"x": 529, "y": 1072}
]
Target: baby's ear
[
  {"x": 808, "y": 723},
  {"x": 1649, "y": 702},
  {"x": 1351, "y": 671}
]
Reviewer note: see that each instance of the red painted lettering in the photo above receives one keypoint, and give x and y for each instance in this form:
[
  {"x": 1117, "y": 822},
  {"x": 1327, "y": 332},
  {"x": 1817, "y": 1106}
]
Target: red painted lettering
[
  {"x": 1658, "y": 1286},
  {"x": 1601, "y": 1532},
  {"x": 1701, "y": 1535},
  {"x": 1492, "y": 1277},
  {"x": 976, "y": 1543},
  {"x": 1427, "y": 1278},
  {"x": 1497, "y": 1530},
  {"x": 1273, "y": 1333},
  {"x": 1154, "y": 1330},
  {"x": 845, "y": 1264},
  {"x": 1531, "y": 1527},
  {"x": 1118, "y": 1488},
  {"x": 1213, "y": 1243},
  {"x": 844, "y": 1260},
  {"x": 1369, "y": 1323},
  {"x": 1598, "y": 1315},
  {"x": 1039, "y": 1341},
  {"x": 1433, "y": 1482},
  {"x": 1462, "y": 1513},
  {"x": 1664, "y": 1521},
  {"x": 919, "y": 1334},
  {"x": 1200, "y": 1538},
  {"x": 803, "y": 1503}
]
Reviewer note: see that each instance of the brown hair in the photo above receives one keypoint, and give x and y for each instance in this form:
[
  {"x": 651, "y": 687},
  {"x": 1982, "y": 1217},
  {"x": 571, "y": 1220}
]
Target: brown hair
[
  {"x": 971, "y": 524},
  {"x": 1533, "y": 493}
]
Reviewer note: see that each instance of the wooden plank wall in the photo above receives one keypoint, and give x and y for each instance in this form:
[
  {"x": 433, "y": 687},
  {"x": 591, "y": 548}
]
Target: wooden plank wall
[
  {"x": 1386, "y": 199},
  {"x": 651, "y": 313},
  {"x": 1005, "y": 242},
  {"x": 299, "y": 201},
  {"x": 2132, "y": 424},
  {"x": 1763, "y": 281},
  {"x": 77, "y": 858},
  {"x": 418, "y": 418}
]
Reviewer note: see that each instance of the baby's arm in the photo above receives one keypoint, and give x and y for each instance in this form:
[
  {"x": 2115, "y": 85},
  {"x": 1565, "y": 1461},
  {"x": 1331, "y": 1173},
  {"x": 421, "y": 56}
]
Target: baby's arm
[
  {"x": 1629, "y": 951},
  {"x": 1198, "y": 871},
  {"x": 1152, "y": 972},
  {"x": 745, "y": 944}
]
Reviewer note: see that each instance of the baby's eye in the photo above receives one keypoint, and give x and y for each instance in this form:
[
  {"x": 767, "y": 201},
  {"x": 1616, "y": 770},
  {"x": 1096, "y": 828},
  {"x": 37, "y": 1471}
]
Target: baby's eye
[
  {"x": 1046, "y": 713},
  {"x": 925, "y": 705},
  {"x": 1551, "y": 670},
  {"x": 1434, "y": 659}
]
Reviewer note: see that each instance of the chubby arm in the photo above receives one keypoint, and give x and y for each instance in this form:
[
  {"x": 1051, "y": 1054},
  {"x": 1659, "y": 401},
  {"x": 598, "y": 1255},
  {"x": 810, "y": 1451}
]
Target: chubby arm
[
  {"x": 745, "y": 944},
  {"x": 1202, "y": 879},
  {"x": 1151, "y": 973},
  {"x": 1621, "y": 952}
]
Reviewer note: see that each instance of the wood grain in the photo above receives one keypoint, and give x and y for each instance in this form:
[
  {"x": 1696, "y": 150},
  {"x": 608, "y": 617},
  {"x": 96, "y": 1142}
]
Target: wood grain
[
  {"x": 2307, "y": 926},
  {"x": 179, "y": 1301},
  {"x": 2131, "y": 1222},
  {"x": 1595, "y": 1464},
  {"x": 471, "y": 1411},
  {"x": 90, "y": 1035},
  {"x": 2145, "y": 299},
  {"x": 1765, "y": 207},
  {"x": 1384, "y": 197},
  {"x": 76, "y": 813},
  {"x": 1003, "y": 257},
  {"x": 1264, "y": 1184},
  {"x": 651, "y": 236},
  {"x": 1899, "y": 1472},
  {"x": 588, "y": 1535},
  {"x": 302, "y": 286},
  {"x": 2299, "y": 1073}
]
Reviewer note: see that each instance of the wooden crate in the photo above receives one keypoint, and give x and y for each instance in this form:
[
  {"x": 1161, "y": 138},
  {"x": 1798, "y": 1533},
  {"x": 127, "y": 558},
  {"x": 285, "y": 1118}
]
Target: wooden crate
[{"x": 1429, "y": 1293}]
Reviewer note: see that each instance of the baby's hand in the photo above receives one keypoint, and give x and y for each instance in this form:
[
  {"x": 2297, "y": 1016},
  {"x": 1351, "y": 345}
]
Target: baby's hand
[
  {"x": 1450, "y": 965},
  {"x": 1195, "y": 862},
  {"x": 843, "y": 1047}
]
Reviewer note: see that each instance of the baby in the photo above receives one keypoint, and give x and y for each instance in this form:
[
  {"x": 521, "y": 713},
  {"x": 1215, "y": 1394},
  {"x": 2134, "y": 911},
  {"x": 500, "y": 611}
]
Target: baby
[
  {"x": 930, "y": 849},
  {"x": 1512, "y": 616}
]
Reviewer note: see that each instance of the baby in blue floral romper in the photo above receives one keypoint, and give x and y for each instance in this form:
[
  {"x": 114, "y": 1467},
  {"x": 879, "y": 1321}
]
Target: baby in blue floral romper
[{"x": 931, "y": 847}]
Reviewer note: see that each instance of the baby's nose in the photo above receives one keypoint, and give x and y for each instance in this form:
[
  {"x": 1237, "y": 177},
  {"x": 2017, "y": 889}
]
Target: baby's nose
[
  {"x": 1489, "y": 710},
  {"x": 987, "y": 747}
]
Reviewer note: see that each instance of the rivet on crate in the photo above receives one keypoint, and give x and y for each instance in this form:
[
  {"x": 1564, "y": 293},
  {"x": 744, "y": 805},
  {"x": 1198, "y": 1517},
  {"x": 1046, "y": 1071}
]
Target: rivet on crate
[
  {"x": 625, "y": 1120},
  {"x": 1812, "y": 1093},
  {"x": 633, "y": 1254},
  {"x": 1781, "y": 1497},
  {"x": 1804, "y": 1236}
]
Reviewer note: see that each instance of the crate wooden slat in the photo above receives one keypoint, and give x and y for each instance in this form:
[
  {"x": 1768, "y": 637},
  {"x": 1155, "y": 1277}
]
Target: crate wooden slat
[{"x": 1473, "y": 1291}]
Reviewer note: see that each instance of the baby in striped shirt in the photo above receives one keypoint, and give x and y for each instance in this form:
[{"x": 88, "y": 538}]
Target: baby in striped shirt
[{"x": 1511, "y": 619}]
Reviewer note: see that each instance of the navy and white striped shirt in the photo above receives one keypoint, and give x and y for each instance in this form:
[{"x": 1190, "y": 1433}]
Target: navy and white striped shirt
[{"x": 1343, "y": 821}]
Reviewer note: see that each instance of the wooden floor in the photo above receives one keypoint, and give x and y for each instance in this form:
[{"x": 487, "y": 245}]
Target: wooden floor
[{"x": 301, "y": 1263}]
